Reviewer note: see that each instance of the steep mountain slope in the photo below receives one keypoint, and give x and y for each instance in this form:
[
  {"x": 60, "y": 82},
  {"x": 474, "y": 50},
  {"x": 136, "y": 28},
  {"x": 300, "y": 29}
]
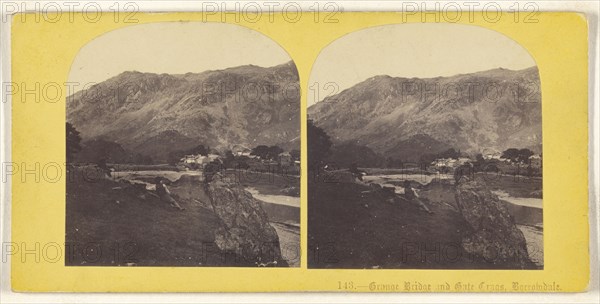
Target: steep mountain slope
[
  {"x": 155, "y": 114},
  {"x": 98, "y": 148},
  {"x": 346, "y": 154},
  {"x": 478, "y": 112}
]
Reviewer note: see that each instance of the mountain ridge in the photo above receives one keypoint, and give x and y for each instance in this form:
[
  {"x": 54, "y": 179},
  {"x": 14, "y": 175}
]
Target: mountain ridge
[
  {"x": 487, "y": 110},
  {"x": 247, "y": 105}
]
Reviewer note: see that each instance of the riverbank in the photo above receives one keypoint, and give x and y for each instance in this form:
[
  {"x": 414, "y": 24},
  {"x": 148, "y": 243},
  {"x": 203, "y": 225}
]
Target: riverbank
[
  {"x": 284, "y": 215},
  {"x": 113, "y": 213},
  {"x": 352, "y": 226}
]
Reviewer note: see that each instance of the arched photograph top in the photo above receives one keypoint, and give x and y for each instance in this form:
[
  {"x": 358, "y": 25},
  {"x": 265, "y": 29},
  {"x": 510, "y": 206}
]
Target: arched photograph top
[
  {"x": 433, "y": 136},
  {"x": 183, "y": 141}
]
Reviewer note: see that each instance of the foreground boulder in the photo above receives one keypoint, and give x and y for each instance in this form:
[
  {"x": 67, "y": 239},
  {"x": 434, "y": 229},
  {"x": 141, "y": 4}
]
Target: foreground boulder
[
  {"x": 495, "y": 236},
  {"x": 245, "y": 228},
  {"x": 190, "y": 188}
]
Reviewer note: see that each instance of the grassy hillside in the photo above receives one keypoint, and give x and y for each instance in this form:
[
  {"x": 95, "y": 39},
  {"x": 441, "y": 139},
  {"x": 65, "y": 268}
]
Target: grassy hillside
[
  {"x": 351, "y": 226},
  {"x": 109, "y": 224}
]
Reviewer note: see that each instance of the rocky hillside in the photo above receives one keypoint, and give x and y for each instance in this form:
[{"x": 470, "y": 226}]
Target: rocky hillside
[
  {"x": 405, "y": 117},
  {"x": 155, "y": 114}
]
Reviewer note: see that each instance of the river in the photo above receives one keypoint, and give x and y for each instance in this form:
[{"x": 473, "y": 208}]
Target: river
[
  {"x": 528, "y": 215},
  {"x": 285, "y": 200},
  {"x": 422, "y": 179},
  {"x": 284, "y": 214},
  {"x": 519, "y": 201}
]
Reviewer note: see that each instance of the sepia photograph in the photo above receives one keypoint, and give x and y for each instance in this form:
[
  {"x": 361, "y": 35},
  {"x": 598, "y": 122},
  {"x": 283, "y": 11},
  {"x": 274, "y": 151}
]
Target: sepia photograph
[
  {"x": 392, "y": 152},
  {"x": 183, "y": 149},
  {"x": 425, "y": 151}
]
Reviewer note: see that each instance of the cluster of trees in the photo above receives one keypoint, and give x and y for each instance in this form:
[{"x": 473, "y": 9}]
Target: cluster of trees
[
  {"x": 272, "y": 152},
  {"x": 264, "y": 152},
  {"x": 74, "y": 145},
  {"x": 450, "y": 153},
  {"x": 295, "y": 154},
  {"x": 141, "y": 159},
  {"x": 480, "y": 164},
  {"x": 391, "y": 162},
  {"x": 517, "y": 155},
  {"x": 174, "y": 156},
  {"x": 232, "y": 161},
  {"x": 96, "y": 150},
  {"x": 73, "y": 142},
  {"x": 319, "y": 151},
  {"x": 267, "y": 152},
  {"x": 430, "y": 157},
  {"x": 319, "y": 145}
]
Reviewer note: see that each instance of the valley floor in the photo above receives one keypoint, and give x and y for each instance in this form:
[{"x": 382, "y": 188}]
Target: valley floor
[
  {"x": 351, "y": 226},
  {"x": 109, "y": 223}
]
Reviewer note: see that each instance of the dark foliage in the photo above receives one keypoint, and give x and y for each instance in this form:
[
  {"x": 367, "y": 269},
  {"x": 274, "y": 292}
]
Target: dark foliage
[
  {"x": 73, "y": 142},
  {"x": 517, "y": 155},
  {"x": 319, "y": 145}
]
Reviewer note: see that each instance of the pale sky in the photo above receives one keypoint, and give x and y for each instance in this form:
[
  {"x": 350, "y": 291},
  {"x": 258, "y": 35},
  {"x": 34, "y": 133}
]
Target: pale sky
[
  {"x": 413, "y": 50},
  {"x": 173, "y": 48}
]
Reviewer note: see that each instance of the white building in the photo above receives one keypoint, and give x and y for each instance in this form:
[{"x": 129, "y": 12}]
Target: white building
[
  {"x": 200, "y": 159},
  {"x": 240, "y": 150},
  {"x": 450, "y": 162},
  {"x": 535, "y": 160},
  {"x": 496, "y": 155}
]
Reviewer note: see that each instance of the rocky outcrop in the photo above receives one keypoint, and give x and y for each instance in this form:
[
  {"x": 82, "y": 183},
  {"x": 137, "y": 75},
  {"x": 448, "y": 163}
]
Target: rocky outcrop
[
  {"x": 495, "y": 236},
  {"x": 245, "y": 228},
  {"x": 190, "y": 188}
]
